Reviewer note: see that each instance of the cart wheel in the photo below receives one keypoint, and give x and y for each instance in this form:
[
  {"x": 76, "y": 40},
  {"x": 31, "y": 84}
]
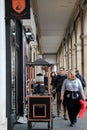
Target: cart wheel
[
  {"x": 49, "y": 125},
  {"x": 29, "y": 125}
]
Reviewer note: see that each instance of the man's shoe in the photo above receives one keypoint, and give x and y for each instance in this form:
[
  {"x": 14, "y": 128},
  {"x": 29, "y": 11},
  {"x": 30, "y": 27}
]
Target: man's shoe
[{"x": 65, "y": 118}]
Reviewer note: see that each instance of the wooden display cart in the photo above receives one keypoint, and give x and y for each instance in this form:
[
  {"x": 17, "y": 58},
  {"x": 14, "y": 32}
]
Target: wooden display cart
[{"x": 39, "y": 105}]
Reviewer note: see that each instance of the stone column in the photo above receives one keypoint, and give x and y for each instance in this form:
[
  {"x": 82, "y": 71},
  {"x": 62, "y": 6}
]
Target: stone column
[{"x": 3, "y": 122}]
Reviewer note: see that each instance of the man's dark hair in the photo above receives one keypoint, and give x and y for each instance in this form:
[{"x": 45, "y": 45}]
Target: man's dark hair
[
  {"x": 62, "y": 68},
  {"x": 77, "y": 71}
]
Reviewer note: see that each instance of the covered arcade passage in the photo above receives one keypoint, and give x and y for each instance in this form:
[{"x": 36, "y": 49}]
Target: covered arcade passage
[{"x": 56, "y": 31}]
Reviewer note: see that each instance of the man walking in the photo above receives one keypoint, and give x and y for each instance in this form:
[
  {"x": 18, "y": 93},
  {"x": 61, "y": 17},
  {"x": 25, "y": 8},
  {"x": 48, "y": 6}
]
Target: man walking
[{"x": 57, "y": 85}]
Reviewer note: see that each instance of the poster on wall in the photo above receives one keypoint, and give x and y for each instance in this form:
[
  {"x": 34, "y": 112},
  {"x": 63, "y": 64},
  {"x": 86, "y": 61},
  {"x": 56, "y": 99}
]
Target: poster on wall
[{"x": 17, "y": 9}]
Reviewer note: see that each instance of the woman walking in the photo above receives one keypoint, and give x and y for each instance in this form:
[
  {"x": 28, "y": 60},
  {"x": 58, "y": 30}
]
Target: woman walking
[{"x": 73, "y": 90}]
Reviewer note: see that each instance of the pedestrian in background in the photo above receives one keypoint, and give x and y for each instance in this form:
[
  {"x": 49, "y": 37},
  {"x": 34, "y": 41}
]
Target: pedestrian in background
[
  {"x": 53, "y": 76},
  {"x": 78, "y": 75},
  {"x": 57, "y": 85}
]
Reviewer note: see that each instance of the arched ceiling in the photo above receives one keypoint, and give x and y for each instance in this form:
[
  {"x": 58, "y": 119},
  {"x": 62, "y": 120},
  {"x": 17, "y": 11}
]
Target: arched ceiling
[{"x": 53, "y": 17}]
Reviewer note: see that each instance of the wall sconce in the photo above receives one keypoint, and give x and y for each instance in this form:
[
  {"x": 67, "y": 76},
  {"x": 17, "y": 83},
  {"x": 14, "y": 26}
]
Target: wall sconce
[
  {"x": 31, "y": 37},
  {"x": 13, "y": 33},
  {"x": 29, "y": 34}
]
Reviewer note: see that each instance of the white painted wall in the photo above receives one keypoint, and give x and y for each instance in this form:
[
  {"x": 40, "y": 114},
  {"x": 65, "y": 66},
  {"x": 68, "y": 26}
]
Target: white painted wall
[{"x": 3, "y": 122}]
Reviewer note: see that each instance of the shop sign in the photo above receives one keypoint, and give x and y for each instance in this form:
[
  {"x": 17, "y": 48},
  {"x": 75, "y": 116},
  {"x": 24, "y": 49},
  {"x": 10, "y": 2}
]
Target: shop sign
[{"x": 17, "y": 9}]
